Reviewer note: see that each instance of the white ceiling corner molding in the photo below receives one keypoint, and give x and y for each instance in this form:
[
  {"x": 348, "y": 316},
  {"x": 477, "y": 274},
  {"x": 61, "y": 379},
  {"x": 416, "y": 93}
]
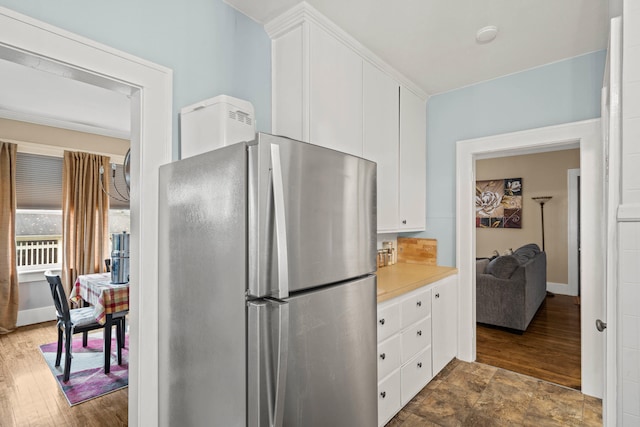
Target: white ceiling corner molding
[{"x": 304, "y": 12}]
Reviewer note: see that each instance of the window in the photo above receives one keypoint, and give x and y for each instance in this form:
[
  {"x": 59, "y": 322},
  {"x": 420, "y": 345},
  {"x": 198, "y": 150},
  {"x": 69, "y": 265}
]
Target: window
[{"x": 39, "y": 212}]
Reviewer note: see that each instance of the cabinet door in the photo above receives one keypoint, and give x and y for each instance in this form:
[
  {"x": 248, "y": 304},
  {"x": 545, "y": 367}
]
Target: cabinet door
[
  {"x": 415, "y": 338},
  {"x": 444, "y": 321},
  {"x": 389, "y": 356},
  {"x": 335, "y": 94},
  {"x": 388, "y": 320},
  {"x": 415, "y": 375},
  {"x": 413, "y": 162},
  {"x": 380, "y": 117},
  {"x": 289, "y": 116},
  {"x": 388, "y": 398}
]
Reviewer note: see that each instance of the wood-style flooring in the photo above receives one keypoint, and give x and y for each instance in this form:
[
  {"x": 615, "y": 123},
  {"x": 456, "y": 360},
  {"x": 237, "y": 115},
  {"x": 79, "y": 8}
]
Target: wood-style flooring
[
  {"x": 30, "y": 396},
  {"x": 549, "y": 349}
]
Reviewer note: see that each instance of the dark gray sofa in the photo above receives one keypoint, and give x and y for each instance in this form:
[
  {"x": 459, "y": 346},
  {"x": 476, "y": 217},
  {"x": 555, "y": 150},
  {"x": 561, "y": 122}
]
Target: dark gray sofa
[{"x": 510, "y": 288}]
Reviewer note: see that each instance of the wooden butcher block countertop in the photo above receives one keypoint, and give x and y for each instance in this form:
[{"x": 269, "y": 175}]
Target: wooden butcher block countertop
[{"x": 400, "y": 278}]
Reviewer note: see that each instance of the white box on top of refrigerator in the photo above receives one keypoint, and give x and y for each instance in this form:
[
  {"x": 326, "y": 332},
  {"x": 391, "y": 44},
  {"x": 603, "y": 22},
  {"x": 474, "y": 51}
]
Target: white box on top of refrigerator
[{"x": 214, "y": 123}]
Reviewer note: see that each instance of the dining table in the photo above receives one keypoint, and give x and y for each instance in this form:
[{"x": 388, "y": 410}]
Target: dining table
[{"x": 107, "y": 299}]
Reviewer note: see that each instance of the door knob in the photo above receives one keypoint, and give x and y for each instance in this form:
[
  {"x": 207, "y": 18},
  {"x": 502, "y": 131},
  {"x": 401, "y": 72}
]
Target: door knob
[{"x": 600, "y": 325}]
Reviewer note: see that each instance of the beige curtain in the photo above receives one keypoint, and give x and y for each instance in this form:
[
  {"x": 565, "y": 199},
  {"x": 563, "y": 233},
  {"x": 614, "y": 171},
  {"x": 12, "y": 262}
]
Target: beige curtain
[
  {"x": 85, "y": 211},
  {"x": 8, "y": 267}
]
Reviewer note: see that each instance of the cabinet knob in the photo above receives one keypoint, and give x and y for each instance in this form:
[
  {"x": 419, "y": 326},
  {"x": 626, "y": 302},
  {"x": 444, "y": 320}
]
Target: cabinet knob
[
  {"x": 437, "y": 295},
  {"x": 419, "y": 333},
  {"x": 381, "y": 321},
  {"x": 419, "y": 364},
  {"x": 383, "y": 356},
  {"x": 419, "y": 303},
  {"x": 383, "y": 394},
  {"x": 404, "y": 221}
]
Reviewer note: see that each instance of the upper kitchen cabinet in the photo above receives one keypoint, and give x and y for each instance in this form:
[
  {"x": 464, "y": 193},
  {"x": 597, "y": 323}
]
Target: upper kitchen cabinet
[
  {"x": 317, "y": 89},
  {"x": 330, "y": 90},
  {"x": 335, "y": 94},
  {"x": 413, "y": 160},
  {"x": 381, "y": 125}
]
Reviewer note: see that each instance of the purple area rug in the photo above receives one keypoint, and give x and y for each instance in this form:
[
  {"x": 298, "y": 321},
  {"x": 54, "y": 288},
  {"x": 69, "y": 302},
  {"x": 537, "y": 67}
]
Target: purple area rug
[{"x": 87, "y": 379}]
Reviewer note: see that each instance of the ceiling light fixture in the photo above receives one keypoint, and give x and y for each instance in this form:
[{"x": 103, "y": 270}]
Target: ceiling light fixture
[{"x": 486, "y": 34}]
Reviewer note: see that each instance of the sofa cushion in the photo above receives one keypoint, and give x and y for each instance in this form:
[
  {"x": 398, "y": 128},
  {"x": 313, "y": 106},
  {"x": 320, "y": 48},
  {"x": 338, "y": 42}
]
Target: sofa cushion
[
  {"x": 526, "y": 252},
  {"x": 481, "y": 265},
  {"x": 503, "y": 266}
]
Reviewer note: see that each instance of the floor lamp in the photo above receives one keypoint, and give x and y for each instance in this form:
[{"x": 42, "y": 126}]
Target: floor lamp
[{"x": 542, "y": 200}]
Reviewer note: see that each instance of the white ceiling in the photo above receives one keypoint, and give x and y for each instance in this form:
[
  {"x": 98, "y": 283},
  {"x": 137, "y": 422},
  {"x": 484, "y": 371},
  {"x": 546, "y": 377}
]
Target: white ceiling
[
  {"x": 432, "y": 42},
  {"x": 36, "y": 96}
]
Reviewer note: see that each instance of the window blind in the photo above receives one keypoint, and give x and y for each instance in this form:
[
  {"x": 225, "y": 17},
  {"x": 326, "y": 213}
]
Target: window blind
[{"x": 39, "y": 183}]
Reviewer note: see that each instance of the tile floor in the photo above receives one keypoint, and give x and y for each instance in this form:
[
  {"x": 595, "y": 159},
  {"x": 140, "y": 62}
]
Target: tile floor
[{"x": 474, "y": 394}]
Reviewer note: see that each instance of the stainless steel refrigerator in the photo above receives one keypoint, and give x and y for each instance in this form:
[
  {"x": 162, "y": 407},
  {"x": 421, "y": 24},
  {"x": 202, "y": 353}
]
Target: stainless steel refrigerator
[{"x": 267, "y": 301}]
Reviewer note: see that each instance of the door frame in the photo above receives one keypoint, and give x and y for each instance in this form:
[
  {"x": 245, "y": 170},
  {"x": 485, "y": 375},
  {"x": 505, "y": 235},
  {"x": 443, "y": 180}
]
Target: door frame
[
  {"x": 585, "y": 135},
  {"x": 573, "y": 228},
  {"x": 39, "y": 45}
]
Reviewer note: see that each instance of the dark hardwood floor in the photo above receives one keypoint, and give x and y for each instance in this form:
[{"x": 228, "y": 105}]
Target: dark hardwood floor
[
  {"x": 548, "y": 350},
  {"x": 30, "y": 396}
]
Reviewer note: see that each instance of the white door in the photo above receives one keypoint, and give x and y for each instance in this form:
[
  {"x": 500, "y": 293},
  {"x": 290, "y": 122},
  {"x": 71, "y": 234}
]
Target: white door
[
  {"x": 413, "y": 161},
  {"x": 335, "y": 94},
  {"x": 611, "y": 125},
  {"x": 380, "y": 109}
]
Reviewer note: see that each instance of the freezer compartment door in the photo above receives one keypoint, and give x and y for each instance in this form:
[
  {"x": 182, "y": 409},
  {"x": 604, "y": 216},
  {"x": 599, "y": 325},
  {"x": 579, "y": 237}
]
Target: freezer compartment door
[
  {"x": 312, "y": 216},
  {"x": 201, "y": 290},
  {"x": 332, "y": 364}
]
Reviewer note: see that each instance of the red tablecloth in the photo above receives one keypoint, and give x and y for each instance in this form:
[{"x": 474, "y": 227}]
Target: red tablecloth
[{"x": 104, "y": 296}]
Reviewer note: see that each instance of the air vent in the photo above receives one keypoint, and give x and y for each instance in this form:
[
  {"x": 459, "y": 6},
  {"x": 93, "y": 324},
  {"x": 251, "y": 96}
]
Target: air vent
[{"x": 241, "y": 117}]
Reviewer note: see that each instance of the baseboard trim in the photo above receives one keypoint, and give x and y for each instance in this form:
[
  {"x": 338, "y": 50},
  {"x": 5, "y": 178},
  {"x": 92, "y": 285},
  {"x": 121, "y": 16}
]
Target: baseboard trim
[
  {"x": 36, "y": 315},
  {"x": 560, "y": 288}
]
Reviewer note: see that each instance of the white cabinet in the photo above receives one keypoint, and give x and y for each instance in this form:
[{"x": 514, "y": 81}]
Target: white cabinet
[
  {"x": 381, "y": 132},
  {"x": 417, "y": 337},
  {"x": 335, "y": 94},
  {"x": 330, "y": 91},
  {"x": 317, "y": 89},
  {"x": 404, "y": 350},
  {"x": 444, "y": 320},
  {"x": 413, "y": 160}
]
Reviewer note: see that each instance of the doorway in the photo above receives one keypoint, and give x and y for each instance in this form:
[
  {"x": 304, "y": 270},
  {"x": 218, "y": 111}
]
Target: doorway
[
  {"x": 36, "y": 44},
  {"x": 548, "y": 348},
  {"x": 586, "y": 136}
]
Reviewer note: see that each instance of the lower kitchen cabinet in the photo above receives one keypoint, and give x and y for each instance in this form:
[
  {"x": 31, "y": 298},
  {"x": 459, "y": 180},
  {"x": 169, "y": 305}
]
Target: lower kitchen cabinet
[
  {"x": 444, "y": 304},
  {"x": 416, "y": 339}
]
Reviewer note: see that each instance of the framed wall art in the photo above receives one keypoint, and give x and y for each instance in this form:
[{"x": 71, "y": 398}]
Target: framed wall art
[{"x": 499, "y": 203}]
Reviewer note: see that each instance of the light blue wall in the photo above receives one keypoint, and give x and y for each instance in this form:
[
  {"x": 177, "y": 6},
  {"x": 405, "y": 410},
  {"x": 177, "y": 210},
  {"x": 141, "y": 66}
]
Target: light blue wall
[
  {"x": 562, "y": 92},
  {"x": 211, "y": 48}
]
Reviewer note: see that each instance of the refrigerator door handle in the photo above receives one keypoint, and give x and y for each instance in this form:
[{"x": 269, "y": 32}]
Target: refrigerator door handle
[
  {"x": 267, "y": 389},
  {"x": 283, "y": 357},
  {"x": 281, "y": 226}
]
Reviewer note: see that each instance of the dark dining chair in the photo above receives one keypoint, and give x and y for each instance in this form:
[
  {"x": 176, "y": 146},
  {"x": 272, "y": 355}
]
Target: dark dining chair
[
  {"x": 75, "y": 321},
  {"x": 107, "y": 264}
]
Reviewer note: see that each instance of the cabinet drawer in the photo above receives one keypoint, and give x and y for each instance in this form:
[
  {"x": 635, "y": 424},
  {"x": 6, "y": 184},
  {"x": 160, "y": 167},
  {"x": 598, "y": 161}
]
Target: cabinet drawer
[
  {"x": 416, "y": 338},
  {"x": 415, "y": 375},
  {"x": 415, "y": 307},
  {"x": 388, "y": 356},
  {"x": 388, "y": 398},
  {"x": 388, "y": 321}
]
